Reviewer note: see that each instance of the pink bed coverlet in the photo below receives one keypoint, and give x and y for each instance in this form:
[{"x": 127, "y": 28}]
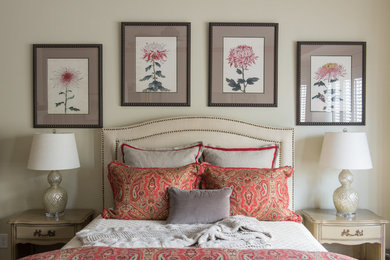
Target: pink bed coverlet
[{"x": 83, "y": 253}]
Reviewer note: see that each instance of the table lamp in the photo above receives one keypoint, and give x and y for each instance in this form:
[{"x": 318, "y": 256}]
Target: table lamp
[
  {"x": 345, "y": 150},
  {"x": 54, "y": 152}
]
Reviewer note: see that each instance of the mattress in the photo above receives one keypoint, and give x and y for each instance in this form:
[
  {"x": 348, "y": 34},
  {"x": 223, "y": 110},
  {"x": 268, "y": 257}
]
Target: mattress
[{"x": 285, "y": 234}]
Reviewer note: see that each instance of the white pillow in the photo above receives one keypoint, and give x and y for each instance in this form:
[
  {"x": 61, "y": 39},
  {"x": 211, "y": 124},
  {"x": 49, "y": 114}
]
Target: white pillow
[
  {"x": 161, "y": 157},
  {"x": 260, "y": 157}
]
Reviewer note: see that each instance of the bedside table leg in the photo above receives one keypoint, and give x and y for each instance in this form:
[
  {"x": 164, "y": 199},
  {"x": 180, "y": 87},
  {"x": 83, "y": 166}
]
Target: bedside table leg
[
  {"x": 383, "y": 244},
  {"x": 374, "y": 252},
  {"x": 13, "y": 245},
  {"x": 359, "y": 251}
]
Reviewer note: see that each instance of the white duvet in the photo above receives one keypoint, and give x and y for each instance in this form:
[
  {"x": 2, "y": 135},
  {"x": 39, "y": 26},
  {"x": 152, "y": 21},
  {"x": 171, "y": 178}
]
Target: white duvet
[{"x": 285, "y": 234}]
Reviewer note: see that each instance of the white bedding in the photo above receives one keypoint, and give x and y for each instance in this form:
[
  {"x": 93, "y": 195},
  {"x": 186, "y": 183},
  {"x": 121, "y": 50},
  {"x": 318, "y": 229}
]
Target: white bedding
[{"x": 285, "y": 234}]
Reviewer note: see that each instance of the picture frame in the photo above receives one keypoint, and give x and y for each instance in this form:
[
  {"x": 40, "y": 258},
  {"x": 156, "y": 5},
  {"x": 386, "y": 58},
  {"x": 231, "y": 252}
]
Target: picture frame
[
  {"x": 67, "y": 86},
  {"x": 243, "y": 64},
  {"x": 155, "y": 63},
  {"x": 331, "y": 83}
]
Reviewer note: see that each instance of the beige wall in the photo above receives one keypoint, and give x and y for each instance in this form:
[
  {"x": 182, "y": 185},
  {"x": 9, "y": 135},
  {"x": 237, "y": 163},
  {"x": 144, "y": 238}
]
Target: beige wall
[{"x": 24, "y": 22}]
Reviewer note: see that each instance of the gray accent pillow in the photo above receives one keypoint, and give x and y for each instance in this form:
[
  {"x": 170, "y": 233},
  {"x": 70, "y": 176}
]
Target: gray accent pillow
[
  {"x": 169, "y": 157},
  {"x": 256, "y": 157},
  {"x": 198, "y": 206}
]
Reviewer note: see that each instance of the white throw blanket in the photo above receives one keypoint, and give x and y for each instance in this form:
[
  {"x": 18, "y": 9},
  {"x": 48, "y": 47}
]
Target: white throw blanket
[{"x": 238, "y": 232}]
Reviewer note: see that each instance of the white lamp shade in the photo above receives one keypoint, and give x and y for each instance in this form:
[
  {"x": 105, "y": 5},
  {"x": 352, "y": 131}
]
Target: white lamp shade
[
  {"x": 345, "y": 150},
  {"x": 53, "y": 152}
]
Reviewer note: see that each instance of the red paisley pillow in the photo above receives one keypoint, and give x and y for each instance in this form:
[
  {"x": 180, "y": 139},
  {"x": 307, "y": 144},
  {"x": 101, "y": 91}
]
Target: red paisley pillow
[
  {"x": 259, "y": 193},
  {"x": 141, "y": 193}
]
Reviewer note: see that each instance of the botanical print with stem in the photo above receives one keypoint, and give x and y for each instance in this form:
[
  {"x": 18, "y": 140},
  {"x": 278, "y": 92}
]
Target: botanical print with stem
[
  {"x": 331, "y": 83},
  {"x": 156, "y": 64},
  {"x": 67, "y": 86},
  {"x": 243, "y": 65}
]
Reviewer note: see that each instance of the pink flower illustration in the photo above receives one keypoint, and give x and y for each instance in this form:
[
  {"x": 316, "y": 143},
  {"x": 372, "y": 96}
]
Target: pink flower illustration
[
  {"x": 156, "y": 54},
  {"x": 67, "y": 78},
  {"x": 242, "y": 57},
  {"x": 330, "y": 71},
  {"x": 325, "y": 76}
]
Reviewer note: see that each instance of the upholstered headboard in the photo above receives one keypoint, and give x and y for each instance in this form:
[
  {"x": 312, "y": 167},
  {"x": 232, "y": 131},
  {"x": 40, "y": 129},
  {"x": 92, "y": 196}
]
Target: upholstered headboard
[{"x": 175, "y": 131}]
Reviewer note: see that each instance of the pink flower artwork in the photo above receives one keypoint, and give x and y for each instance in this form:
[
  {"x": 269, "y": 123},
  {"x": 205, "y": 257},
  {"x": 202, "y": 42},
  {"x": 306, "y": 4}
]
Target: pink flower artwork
[
  {"x": 155, "y": 51},
  {"x": 325, "y": 77},
  {"x": 330, "y": 72},
  {"x": 241, "y": 57},
  {"x": 67, "y": 78},
  {"x": 156, "y": 54}
]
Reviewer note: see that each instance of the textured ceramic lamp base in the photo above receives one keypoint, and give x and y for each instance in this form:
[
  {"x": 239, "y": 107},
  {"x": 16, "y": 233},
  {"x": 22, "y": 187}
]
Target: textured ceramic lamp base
[
  {"x": 345, "y": 198},
  {"x": 55, "y": 197}
]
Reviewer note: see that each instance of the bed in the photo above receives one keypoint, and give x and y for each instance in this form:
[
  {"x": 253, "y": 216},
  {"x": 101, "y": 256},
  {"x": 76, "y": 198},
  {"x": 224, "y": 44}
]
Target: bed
[{"x": 281, "y": 239}]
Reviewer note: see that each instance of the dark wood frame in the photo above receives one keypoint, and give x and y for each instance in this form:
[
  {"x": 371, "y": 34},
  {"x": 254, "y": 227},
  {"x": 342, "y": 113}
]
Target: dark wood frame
[
  {"x": 183, "y": 82},
  {"x": 331, "y": 48},
  {"x": 92, "y": 52},
  {"x": 270, "y": 64}
]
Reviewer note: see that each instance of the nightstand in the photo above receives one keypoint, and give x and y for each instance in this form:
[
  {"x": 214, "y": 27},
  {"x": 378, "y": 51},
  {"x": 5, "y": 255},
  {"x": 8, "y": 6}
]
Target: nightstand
[
  {"x": 32, "y": 232},
  {"x": 365, "y": 231}
]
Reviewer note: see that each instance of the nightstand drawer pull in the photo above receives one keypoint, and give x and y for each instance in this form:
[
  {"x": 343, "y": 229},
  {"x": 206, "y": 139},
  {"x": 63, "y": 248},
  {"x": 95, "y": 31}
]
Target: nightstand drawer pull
[
  {"x": 50, "y": 233},
  {"x": 358, "y": 233}
]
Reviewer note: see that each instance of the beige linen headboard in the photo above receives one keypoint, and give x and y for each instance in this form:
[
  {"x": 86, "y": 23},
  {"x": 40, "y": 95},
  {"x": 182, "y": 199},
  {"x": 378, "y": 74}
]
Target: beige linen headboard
[{"x": 175, "y": 131}]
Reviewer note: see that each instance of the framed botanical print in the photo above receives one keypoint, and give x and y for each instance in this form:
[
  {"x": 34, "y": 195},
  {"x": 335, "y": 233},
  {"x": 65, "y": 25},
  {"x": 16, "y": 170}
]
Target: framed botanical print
[
  {"x": 331, "y": 84},
  {"x": 67, "y": 85},
  {"x": 243, "y": 64},
  {"x": 155, "y": 64}
]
